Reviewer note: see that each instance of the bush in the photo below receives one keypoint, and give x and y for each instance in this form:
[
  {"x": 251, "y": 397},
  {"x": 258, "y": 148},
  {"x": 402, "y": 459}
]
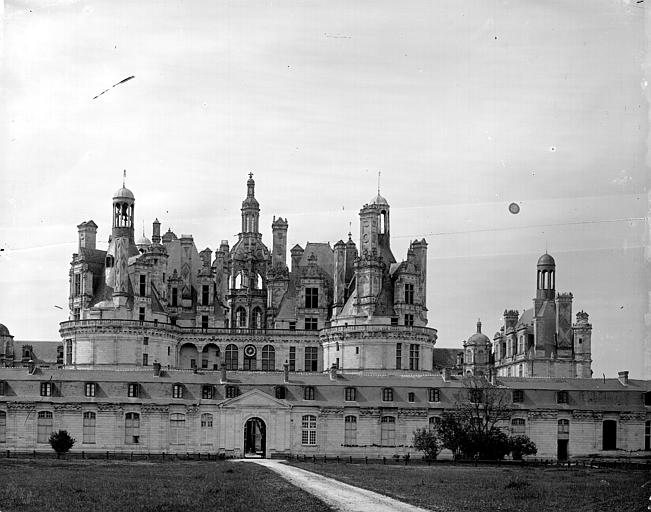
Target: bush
[
  {"x": 61, "y": 441},
  {"x": 522, "y": 445},
  {"x": 427, "y": 441}
]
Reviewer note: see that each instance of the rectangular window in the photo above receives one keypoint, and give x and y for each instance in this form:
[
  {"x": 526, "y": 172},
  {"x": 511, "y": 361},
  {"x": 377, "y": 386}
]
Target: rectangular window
[
  {"x": 177, "y": 428},
  {"x": 175, "y": 297},
  {"x": 388, "y": 431},
  {"x": 308, "y": 393},
  {"x": 564, "y": 428},
  {"x": 132, "y": 428},
  {"x": 308, "y": 433},
  {"x": 206, "y": 428},
  {"x": 350, "y": 430},
  {"x": 207, "y": 392},
  {"x": 434, "y": 395},
  {"x": 76, "y": 314},
  {"x": 77, "y": 291},
  {"x": 311, "y": 297},
  {"x": 204, "y": 321},
  {"x": 3, "y": 388},
  {"x": 205, "y": 295},
  {"x": 414, "y": 356},
  {"x": 145, "y": 359},
  {"x": 193, "y": 363},
  {"x": 141, "y": 314},
  {"x": 43, "y": 426},
  {"x": 518, "y": 396},
  {"x": 311, "y": 359},
  {"x": 89, "y": 421},
  {"x": 3, "y": 427},
  {"x": 177, "y": 391},
  {"x": 172, "y": 320},
  {"x": 394, "y": 321},
  {"x": 281, "y": 392},
  {"x": 292, "y": 359},
  {"x": 68, "y": 351},
  {"x": 311, "y": 324},
  {"x": 204, "y": 363},
  {"x": 231, "y": 391},
  {"x": 518, "y": 426},
  {"x": 143, "y": 285},
  {"x": 411, "y": 397},
  {"x": 292, "y": 326},
  {"x": 387, "y": 395},
  {"x": 561, "y": 397},
  {"x": 409, "y": 320},
  {"x": 398, "y": 356},
  {"x": 90, "y": 389},
  {"x": 350, "y": 394},
  {"x": 46, "y": 389},
  {"x": 133, "y": 390},
  {"x": 409, "y": 293},
  {"x": 145, "y": 340}
]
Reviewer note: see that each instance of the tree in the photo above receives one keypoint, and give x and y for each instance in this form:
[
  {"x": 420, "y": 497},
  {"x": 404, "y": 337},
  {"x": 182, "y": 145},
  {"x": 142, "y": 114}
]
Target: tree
[
  {"x": 427, "y": 441},
  {"x": 61, "y": 442},
  {"x": 522, "y": 445}
]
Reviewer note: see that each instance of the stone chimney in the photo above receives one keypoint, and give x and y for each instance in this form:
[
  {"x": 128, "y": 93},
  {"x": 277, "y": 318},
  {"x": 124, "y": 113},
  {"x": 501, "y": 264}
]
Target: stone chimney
[
  {"x": 155, "y": 235},
  {"x": 623, "y": 378},
  {"x": 286, "y": 372},
  {"x": 446, "y": 374}
]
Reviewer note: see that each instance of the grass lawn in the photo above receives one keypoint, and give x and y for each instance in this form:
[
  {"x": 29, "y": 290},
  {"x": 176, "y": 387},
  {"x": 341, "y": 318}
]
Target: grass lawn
[
  {"x": 68, "y": 486},
  {"x": 494, "y": 488}
]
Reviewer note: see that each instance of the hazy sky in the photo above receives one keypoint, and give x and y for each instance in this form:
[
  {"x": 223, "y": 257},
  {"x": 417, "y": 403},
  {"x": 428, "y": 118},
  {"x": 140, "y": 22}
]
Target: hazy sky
[{"x": 465, "y": 107}]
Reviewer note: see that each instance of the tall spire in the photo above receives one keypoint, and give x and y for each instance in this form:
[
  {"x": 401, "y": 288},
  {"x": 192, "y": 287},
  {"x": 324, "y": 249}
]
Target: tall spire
[{"x": 124, "y": 178}]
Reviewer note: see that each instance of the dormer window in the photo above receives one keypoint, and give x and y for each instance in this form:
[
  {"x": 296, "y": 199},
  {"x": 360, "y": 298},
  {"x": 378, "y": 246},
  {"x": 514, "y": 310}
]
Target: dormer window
[
  {"x": 177, "y": 391},
  {"x": 207, "y": 392}
]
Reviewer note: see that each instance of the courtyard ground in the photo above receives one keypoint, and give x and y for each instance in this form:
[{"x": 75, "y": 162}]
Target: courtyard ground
[
  {"x": 72, "y": 485},
  {"x": 494, "y": 488}
]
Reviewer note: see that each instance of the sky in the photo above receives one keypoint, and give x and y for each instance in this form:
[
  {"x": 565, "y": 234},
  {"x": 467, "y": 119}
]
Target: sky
[{"x": 463, "y": 107}]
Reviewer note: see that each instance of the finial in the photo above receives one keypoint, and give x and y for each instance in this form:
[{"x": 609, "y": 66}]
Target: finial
[
  {"x": 250, "y": 175},
  {"x": 143, "y": 228},
  {"x": 350, "y": 236},
  {"x": 378, "y": 182},
  {"x": 479, "y": 325},
  {"x": 124, "y": 178}
]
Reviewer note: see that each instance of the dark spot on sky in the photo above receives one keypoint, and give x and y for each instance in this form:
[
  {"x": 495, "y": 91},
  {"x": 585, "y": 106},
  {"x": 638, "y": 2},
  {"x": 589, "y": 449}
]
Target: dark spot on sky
[{"x": 514, "y": 208}]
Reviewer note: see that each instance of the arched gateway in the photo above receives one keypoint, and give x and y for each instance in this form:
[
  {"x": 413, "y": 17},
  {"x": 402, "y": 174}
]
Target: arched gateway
[{"x": 255, "y": 433}]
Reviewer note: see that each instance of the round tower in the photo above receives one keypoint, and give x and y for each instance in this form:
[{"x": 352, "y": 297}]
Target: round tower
[
  {"x": 546, "y": 278},
  {"x": 122, "y": 241}
]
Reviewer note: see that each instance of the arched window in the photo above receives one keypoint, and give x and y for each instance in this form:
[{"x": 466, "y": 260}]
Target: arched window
[
  {"x": 3, "y": 427},
  {"x": 240, "y": 317},
  {"x": 256, "y": 317},
  {"x": 89, "y": 421},
  {"x": 518, "y": 426},
  {"x": 177, "y": 428},
  {"x": 268, "y": 358},
  {"x": 43, "y": 426},
  {"x": 132, "y": 428},
  {"x": 206, "y": 428},
  {"x": 239, "y": 281},
  {"x": 308, "y": 432},
  {"x": 388, "y": 431},
  {"x": 350, "y": 430},
  {"x": 256, "y": 281},
  {"x": 231, "y": 357}
]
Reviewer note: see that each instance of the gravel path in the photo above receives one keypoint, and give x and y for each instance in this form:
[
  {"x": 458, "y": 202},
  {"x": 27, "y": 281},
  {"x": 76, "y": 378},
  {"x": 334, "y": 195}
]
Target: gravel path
[{"x": 340, "y": 496}]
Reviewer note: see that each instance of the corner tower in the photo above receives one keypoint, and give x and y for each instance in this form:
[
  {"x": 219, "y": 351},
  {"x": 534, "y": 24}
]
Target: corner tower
[{"x": 122, "y": 244}]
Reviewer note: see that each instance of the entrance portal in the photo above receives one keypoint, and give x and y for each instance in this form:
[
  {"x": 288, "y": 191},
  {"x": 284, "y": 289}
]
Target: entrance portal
[
  {"x": 255, "y": 438},
  {"x": 562, "y": 449}
]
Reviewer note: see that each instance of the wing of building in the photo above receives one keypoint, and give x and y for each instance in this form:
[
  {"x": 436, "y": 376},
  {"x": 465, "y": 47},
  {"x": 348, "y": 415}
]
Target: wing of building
[{"x": 238, "y": 351}]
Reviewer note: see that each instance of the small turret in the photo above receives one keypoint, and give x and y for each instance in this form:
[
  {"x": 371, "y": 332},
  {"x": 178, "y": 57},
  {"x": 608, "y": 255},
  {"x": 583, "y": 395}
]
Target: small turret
[
  {"x": 279, "y": 247},
  {"x": 87, "y": 235},
  {"x": 155, "y": 236}
]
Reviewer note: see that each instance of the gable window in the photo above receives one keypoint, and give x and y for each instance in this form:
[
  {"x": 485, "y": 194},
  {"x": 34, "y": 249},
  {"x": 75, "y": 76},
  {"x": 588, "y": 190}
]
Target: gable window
[
  {"x": 205, "y": 294},
  {"x": 561, "y": 397},
  {"x": 3, "y": 427},
  {"x": 281, "y": 392},
  {"x": 177, "y": 428},
  {"x": 90, "y": 388},
  {"x": 518, "y": 396},
  {"x": 409, "y": 293},
  {"x": 350, "y": 394},
  {"x": 398, "y": 356},
  {"x": 311, "y": 359},
  {"x": 268, "y": 358},
  {"x": 350, "y": 430},
  {"x": 143, "y": 285},
  {"x": 207, "y": 392},
  {"x": 133, "y": 390},
  {"x": 231, "y": 357},
  {"x": 88, "y": 425},
  {"x": 308, "y": 432},
  {"x": 43, "y": 426},
  {"x": 409, "y": 320},
  {"x": 414, "y": 356},
  {"x": 132, "y": 428},
  {"x": 206, "y": 428},
  {"x": 311, "y": 324},
  {"x": 311, "y": 297},
  {"x": 46, "y": 389},
  {"x": 308, "y": 393},
  {"x": 434, "y": 395},
  {"x": 411, "y": 397},
  {"x": 387, "y": 395},
  {"x": 388, "y": 431},
  {"x": 518, "y": 426},
  {"x": 177, "y": 391},
  {"x": 292, "y": 359},
  {"x": 232, "y": 391}
]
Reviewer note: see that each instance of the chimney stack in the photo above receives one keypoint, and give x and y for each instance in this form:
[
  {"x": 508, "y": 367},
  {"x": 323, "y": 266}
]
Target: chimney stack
[
  {"x": 446, "y": 374},
  {"x": 623, "y": 378},
  {"x": 286, "y": 372}
]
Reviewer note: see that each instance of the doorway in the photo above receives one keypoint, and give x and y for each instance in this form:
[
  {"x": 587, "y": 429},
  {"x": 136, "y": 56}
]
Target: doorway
[
  {"x": 609, "y": 435},
  {"x": 255, "y": 433},
  {"x": 562, "y": 449}
]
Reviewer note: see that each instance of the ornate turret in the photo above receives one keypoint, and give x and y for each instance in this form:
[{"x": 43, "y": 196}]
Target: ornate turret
[{"x": 250, "y": 208}]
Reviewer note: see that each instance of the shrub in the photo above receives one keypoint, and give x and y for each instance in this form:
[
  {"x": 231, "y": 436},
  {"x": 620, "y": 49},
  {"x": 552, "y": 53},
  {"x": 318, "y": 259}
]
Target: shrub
[
  {"x": 427, "y": 441},
  {"x": 522, "y": 445},
  {"x": 61, "y": 441}
]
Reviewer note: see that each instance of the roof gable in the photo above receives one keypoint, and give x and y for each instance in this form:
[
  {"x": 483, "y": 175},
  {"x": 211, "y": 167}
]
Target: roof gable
[{"x": 255, "y": 398}]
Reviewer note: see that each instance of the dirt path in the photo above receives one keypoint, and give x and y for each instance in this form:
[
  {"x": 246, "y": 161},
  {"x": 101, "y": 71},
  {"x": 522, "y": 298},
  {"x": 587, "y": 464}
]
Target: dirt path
[{"x": 340, "y": 496}]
